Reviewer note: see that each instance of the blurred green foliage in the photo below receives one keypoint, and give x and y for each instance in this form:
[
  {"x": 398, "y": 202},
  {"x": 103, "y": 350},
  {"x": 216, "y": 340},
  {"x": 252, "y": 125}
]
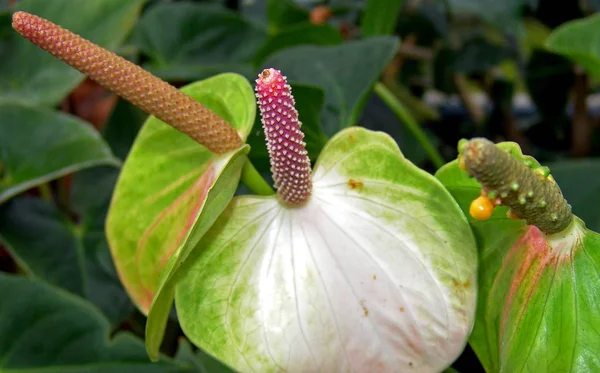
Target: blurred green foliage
[{"x": 517, "y": 70}]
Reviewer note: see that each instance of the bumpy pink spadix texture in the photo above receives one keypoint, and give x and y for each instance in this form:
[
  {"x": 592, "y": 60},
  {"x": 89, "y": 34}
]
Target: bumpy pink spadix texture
[{"x": 290, "y": 164}]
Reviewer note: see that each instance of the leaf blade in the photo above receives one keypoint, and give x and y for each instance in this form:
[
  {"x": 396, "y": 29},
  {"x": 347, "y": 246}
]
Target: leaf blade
[
  {"x": 344, "y": 72},
  {"x": 30, "y": 75},
  {"x": 65, "y": 143}
]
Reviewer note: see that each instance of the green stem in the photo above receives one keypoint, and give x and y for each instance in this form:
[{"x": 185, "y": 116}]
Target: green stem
[
  {"x": 404, "y": 115},
  {"x": 254, "y": 181},
  {"x": 64, "y": 199},
  {"x": 45, "y": 192}
]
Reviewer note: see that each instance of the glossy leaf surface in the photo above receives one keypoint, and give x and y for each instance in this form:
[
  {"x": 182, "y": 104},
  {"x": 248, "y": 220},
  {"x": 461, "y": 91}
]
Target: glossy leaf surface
[
  {"x": 537, "y": 305},
  {"x": 582, "y": 192},
  {"x": 375, "y": 273},
  {"x": 345, "y": 72},
  {"x": 299, "y": 34},
  {"x": 56, "y": 144},
  {"x": 49, "y": 245},
  {"x": 44, "y": 329},
  {"x": 187, "y": 41},
  {"x": 577, "y": 40},
  {"x": 282, "y": 13},
  {"x": 380, "y": 17}
]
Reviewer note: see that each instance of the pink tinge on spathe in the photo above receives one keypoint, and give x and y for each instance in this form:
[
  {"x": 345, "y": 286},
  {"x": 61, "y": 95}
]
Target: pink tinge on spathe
[{"x": 290, "y": 164}]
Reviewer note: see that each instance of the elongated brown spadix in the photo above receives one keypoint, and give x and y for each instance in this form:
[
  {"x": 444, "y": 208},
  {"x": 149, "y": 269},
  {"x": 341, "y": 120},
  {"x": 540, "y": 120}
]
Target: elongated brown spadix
[
  {"x": 290, "y": 164},
  {"x": 131, "y": 82}
]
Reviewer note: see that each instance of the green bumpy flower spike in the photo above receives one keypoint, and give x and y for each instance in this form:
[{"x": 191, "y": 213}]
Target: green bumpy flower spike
[{"x": 511, "y": 179}]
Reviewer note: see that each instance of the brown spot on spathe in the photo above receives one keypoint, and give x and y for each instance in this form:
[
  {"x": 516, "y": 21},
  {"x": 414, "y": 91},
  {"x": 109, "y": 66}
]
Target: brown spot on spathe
[
  {"x": 365, "y": 309},
  {"x": 355, "y": 184}
]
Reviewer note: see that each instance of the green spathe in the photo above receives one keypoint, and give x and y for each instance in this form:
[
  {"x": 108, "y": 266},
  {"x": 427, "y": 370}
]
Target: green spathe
[
  {"x": 375, "y": 273},
  {"x": 168, "y": 181},
  {"x": 538, "y": 293}
]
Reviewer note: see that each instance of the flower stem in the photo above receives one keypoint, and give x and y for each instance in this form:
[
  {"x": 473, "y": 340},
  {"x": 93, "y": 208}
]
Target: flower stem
[
  {"x": 404, "y": 115},
  {"x": 254, "y": 181},
  {"x": 45, "y": 192}
]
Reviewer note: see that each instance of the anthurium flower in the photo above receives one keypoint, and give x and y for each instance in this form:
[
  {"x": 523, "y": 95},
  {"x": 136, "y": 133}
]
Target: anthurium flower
[
  {"x": 538, "y": 274},
  {"x": 365, "y": 264}
]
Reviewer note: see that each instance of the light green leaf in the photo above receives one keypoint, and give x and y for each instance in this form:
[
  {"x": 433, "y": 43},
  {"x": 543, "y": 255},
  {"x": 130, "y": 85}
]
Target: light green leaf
[
  {"x": 538, "y": 308},
  {"x": 49, "y": 245},
  {"x": 346, "y": 74},
  {"x": 576, "y": 40},
  {"x": 38, "y": 145},
  {"x": 187, "y": 41},
  {"x": 30, "y": 75},
  {"x": 165, "y": 184},
  {"x": 43, "y": 329},
  {"x": 380, "y": 17},
  {"x": 375, "y": 273}
]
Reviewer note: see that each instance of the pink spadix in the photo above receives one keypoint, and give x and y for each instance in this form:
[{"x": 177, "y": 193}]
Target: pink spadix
[{"x": 290, "y": 164}]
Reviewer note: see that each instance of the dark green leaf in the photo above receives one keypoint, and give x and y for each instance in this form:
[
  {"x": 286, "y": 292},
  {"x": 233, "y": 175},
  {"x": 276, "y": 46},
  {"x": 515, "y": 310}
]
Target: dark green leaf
[
  {"x": 50, "y": 246},
  {"x": 309, "y": 103},
  {"x": 28, "y": 74},
  {"x": 301, "y": 34},
  {"x": 345, "y": 72},
  {"x": 284, "y": 13},
  {"x": 548, "y": 72},
  {"x": 581, "y": 187},
  {"x": 44, "y": 329},
  {"x": 4, "y": 6},
  {"x": 187, "y": 41},
  {"x": 591, "y": 5},
  {"x": 478, "y": 55},
  {"x": 380, "y": 17},
  {"x": 38, "y": 145},
  {"x": 201, "y": 361},
  {"x": 577, "y": 40},
  {"x": 122, "y": 127},
  {"x": 505, "y": 15}
]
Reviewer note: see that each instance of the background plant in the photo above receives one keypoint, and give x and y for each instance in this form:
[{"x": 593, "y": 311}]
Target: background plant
[{"x": 58, "y": 173}]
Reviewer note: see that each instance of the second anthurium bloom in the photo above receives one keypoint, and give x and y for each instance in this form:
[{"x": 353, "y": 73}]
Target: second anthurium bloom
[{"x": 366, "y": 264}]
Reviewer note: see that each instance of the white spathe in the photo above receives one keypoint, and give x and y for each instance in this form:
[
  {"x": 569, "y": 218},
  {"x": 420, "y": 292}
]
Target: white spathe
[{"x": 369, "y": 276}]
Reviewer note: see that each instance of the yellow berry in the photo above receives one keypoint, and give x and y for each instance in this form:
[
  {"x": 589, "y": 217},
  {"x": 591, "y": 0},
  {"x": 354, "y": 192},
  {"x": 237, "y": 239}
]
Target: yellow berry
[{"x": 481, "y": 208}]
